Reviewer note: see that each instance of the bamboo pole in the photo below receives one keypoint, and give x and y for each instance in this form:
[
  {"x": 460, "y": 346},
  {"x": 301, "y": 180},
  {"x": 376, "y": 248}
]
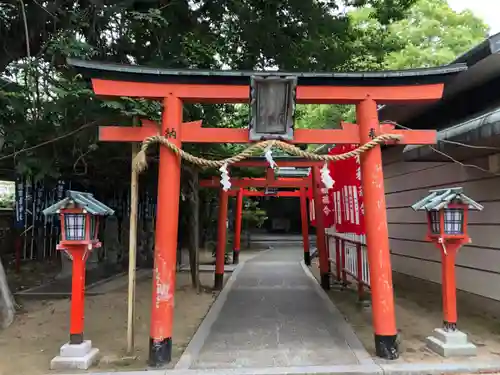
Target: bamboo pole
[{"x": 132, "y": 250}]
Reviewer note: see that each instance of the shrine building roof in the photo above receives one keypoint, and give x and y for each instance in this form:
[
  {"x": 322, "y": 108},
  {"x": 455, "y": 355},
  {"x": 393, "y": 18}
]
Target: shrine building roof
[
  {"x": 469, "y": 111},
  {"x": 469, "y": 92},
  {"x": 136, "y": 73}
]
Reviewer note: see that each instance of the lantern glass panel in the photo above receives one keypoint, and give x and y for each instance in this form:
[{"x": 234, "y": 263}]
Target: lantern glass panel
[
  {"x": 435, "y": 222},
  {"x": 453, "y": 221},
  {"x": 74, "y": 226}
]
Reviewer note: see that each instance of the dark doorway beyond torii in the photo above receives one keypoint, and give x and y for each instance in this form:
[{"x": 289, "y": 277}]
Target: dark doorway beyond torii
[
  {"x": 283, "y": 215},
  {"x": 174, "y": 87}
]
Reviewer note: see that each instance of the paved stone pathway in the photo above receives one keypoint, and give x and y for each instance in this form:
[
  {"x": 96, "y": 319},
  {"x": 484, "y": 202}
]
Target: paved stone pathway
[{"x": 273, "y": 315}]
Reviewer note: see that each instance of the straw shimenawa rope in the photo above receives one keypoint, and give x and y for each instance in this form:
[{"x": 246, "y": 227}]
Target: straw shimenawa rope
[{"x": 140, "y": 161}]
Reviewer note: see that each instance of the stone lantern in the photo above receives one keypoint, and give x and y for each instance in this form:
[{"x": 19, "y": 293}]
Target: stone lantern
[
  {"x": 447, "y": 217},
  {"x": 79, "y": 214}
]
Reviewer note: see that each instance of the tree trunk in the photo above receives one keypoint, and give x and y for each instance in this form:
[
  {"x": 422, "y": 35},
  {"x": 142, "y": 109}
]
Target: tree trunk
[
  {"x": 7, "y": 304},
  {"x": 194, "y": 228}
]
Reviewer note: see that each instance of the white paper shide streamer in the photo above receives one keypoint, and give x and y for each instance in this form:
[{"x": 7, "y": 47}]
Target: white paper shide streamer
[
  {"x": 269, "y": 157},
  {"x": 224, "y": 178},
  {"x": 326, "y": 178}
]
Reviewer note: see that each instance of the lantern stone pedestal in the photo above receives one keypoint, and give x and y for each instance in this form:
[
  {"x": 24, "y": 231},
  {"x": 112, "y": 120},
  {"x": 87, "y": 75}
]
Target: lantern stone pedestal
[
  {"x": 75, "y": 356},
  {"x": 451, "y": 343},
  {"x": 447, "y": 216}
]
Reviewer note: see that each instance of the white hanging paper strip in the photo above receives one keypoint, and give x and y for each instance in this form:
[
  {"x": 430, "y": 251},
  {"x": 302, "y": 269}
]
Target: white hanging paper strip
[
  {"x": 269, "y": 157},
  {"x": 224, "y": 178},
  {"x": 326, "y": 178}
]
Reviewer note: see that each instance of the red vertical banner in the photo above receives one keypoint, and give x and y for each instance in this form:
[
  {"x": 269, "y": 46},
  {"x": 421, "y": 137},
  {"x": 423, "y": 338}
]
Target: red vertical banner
[
  {"x": 347, "y": 193},
  {"x": 326, "y": 204}
]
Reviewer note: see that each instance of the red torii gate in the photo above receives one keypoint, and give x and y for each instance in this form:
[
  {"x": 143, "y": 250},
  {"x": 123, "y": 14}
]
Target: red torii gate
[
  {"x": 296, "y": 162},
  {"x": 241, "y": 184},
  {"x": 304, "y": 217},
  {"x": 175, "y": 87}
]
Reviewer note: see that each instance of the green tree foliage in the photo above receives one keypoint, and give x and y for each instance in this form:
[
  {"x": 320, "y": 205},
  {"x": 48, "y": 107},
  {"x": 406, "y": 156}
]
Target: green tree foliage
[
  {"x": 42, "y": 99},
  {"x": 252, "y": 216},
  {"x": 44, "y": 103},
  {"x": 431, "y": 34},
  {"x": 51, "y": 101},
  {"x": 319, "y": 116}
]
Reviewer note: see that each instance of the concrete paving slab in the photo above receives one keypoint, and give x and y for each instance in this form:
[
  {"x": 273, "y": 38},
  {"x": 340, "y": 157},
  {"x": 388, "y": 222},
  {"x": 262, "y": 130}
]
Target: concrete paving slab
[
  {"x": 388, "y": 369},
  {"x": 274, "y": 316},
  {"x": 309, "y": 370}
]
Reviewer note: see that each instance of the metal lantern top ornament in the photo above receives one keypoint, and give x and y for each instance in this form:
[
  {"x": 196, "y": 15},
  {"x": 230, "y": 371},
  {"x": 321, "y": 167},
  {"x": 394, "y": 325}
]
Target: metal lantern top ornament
[
  {"x": 272, "y": 107},
  {"x": 79, "y": 213},
  {"x": 447, "y": 213}
]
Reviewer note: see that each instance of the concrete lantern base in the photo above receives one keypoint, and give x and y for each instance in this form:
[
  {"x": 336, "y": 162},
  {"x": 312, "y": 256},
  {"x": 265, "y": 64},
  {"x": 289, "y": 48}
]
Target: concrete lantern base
[
  {"x": 451, "y": 344},
  {"x": 79, "y": 356}
]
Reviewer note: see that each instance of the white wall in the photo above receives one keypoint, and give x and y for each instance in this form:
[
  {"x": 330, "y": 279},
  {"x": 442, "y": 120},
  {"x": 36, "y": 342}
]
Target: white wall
[{"x": 478, "y": 264}]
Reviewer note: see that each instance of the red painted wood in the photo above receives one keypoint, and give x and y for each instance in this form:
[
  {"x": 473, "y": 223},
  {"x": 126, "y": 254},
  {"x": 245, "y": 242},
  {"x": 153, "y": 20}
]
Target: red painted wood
[
  {"x": 377, "y": 234},
  {"x": 258, "y": 183},
  {"x": 77, "y": 291},
  {"x": 304, "y": 219},
  {"x": 221, "y": 233},
  {"x": 162, "y": 310},
  {"x": 238, "y": 218},
  {"x": 251, "y": 193},
  {"x": 198, "y": 93},
  {"x": 320, "y": 219}
]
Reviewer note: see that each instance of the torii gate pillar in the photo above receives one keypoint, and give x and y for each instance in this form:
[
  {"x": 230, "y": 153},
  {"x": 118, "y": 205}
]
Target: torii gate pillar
[
  {"x": 377, "y": 234},
  {"x": 237, "y": 226},
  {"x": 320, "y": 229},
  {"x": 305, "y": 225},
  {"x": 220, "y": 251},
  {"x": 169, "y": 173}
]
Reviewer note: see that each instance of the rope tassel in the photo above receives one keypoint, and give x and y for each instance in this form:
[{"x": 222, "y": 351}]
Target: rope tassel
[{"x": 140, "y": 162}]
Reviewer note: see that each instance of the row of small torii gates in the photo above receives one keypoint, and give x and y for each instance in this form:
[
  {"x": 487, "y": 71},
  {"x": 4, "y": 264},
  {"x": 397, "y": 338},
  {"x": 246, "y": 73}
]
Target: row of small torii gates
[
  {"x": 174, "y": 88},
  {"x": 270, "y": 181}
]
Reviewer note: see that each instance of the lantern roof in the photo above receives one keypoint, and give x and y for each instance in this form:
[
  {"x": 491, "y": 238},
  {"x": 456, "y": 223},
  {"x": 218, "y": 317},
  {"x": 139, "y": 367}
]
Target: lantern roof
[
  {"x": 441, "y": 198},
  {"x": 82, "y": 200}
]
